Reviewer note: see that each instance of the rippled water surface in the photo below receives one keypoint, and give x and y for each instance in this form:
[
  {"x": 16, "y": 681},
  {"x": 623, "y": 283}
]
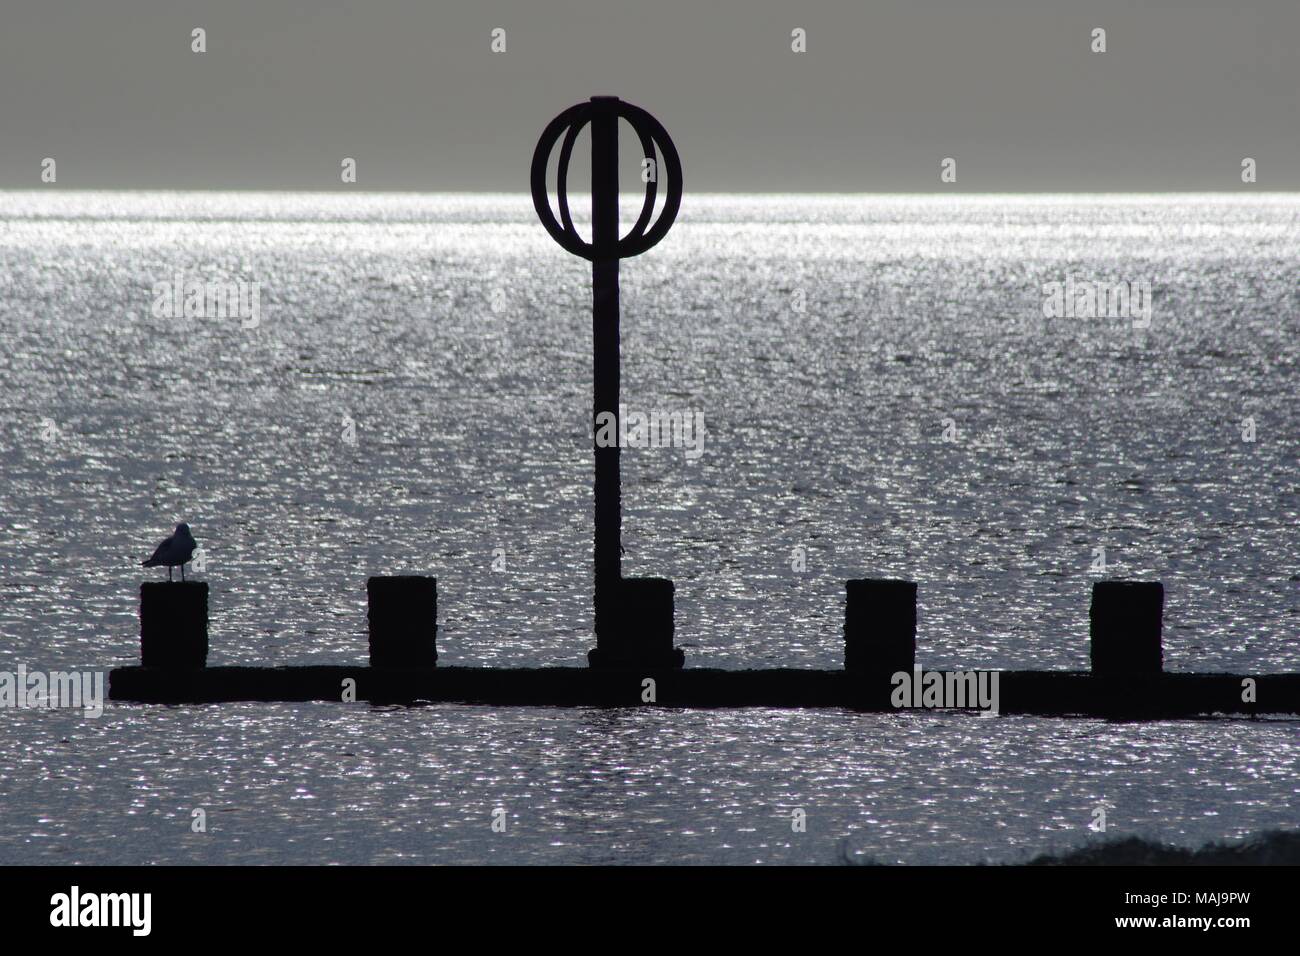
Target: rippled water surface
[{"x": 827, "y": 341}]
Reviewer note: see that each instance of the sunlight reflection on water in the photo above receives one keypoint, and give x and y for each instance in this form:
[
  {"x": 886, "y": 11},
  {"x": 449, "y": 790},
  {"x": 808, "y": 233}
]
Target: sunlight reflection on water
[{"x": 823, "y": 432}]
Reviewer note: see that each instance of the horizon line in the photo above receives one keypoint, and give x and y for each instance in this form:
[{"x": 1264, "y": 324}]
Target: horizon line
[{"x": 333, "y": 190}]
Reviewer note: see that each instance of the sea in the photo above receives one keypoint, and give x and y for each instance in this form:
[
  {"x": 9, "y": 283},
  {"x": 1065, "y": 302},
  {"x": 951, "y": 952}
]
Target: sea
[{"x": 1001, "y": 397}]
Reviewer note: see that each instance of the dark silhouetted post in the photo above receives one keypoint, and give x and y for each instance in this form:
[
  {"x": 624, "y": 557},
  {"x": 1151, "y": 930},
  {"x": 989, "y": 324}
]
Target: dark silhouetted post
[
  {"x": 880, "y": 627},
  {"x": 605, "y": 357},
  {"x": 634, "y": 617},
  {"x": 174, "y": 624},
  {"x": 1125, "y": 623},
  {"x": 403, "y": 619},
  {"x": 646, "y": 635}
]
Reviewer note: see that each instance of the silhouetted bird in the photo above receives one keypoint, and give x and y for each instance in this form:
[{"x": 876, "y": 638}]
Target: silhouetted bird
[{"x": 175, "y": 550}]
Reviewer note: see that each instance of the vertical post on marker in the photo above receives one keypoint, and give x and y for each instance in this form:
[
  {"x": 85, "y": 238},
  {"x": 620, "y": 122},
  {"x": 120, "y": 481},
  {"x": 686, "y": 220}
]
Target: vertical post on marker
[{"x": 605, "y": 336}]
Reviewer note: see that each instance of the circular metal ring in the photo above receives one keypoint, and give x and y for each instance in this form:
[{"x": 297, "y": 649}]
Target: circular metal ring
[{"x": 651, "y": 134}]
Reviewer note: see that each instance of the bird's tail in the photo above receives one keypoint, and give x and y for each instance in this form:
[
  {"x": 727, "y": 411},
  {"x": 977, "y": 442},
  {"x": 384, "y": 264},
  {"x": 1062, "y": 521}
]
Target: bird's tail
[{"x": 148, "y": 564}]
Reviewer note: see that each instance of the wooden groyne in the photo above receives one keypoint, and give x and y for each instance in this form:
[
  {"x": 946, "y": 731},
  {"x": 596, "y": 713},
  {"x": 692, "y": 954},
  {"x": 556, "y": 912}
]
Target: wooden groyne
[
  {"x": 881, "y": 674},
  {"x": 1046, "y": 693},
  {"x": 635, "y": 661}
]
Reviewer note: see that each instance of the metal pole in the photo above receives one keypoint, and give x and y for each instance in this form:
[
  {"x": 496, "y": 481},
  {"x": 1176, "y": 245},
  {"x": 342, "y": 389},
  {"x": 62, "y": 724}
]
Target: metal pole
[{"x": 605, "y": 337}]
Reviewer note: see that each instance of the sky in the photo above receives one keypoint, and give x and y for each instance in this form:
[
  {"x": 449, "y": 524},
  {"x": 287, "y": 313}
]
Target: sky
[{"x": 883, "y": 93}]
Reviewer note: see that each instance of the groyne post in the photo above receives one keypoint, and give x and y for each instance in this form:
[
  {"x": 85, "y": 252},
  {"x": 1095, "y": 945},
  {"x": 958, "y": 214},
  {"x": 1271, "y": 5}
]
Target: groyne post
[
  {"x": 1125, "y": 622},
  {"x": 645, "y": 636},
  {"x": 174, "y": 624},
  {"x": 403, "y": 620},
  {"x": 879, "y": 627}
]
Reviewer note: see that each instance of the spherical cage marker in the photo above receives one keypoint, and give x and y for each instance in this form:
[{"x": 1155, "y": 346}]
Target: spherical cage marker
[{"x": 651, "y": 134}]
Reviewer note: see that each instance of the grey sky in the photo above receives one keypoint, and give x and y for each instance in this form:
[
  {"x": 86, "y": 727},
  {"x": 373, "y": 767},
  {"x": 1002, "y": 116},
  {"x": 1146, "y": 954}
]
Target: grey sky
[{"x": 886, "y": 90}]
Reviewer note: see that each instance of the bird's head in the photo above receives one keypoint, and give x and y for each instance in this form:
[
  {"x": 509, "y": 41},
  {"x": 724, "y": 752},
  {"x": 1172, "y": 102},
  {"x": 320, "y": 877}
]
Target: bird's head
[{"x": 183, "y": 529}]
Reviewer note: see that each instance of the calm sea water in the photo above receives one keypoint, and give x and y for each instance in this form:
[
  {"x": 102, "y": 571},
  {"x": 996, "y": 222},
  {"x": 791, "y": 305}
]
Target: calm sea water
[{"x": 828, "y": 341}]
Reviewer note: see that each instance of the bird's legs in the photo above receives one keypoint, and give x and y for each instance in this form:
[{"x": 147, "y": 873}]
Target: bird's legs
[
  {"x": 182, "y": 572},
  {"x": 169, "y": 572}
]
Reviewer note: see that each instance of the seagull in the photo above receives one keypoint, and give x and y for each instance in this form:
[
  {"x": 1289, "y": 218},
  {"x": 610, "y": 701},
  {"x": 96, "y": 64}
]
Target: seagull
[{"x": 173, "y": 551}]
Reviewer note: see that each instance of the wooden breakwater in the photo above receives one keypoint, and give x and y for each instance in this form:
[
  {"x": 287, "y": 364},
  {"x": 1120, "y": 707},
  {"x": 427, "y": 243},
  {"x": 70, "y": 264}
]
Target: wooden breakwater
[
  {"x": 1047, "y": 693},
  {"x": 1127, "y": 679}
]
